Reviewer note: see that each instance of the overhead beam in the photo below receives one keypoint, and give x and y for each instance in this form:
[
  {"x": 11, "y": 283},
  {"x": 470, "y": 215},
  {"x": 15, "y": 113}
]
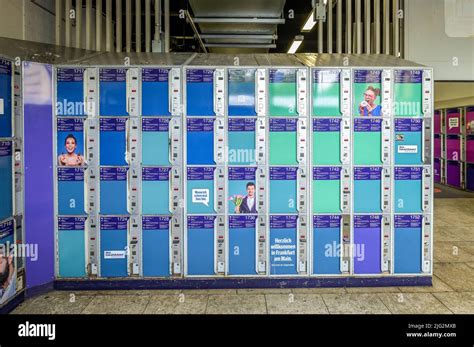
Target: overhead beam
[
  {"x": 241, "y": 45},
  {"x": 240, "y": 36},
  {"x": 240, "y": 20}
]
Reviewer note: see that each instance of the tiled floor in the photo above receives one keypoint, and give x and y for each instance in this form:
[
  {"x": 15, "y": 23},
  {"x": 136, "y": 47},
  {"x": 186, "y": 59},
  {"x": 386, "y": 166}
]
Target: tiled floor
[{"x": 452, "y": 290}]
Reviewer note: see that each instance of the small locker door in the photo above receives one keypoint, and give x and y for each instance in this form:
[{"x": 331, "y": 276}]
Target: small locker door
[
  {"x": 453, "y": 147},
  {"x": 453, "y": 173},
  {"x": 72, "y": 247},
  {"x": 453, "y": 121},
  {"x": 155, "y": 92},
  {"x": 5, "y": 98},
  {"x": 367, "y": 189},
  {"x": 113, "y": 244},
  {"x": 241, "y": 141},
  {"x": 367, "y": 141},
  {"x": 6, "y": 179},
  {"x": 283, "y": 189},
  {"x": 437, "y": 170},
  {"x": 282, "y": 92},
  {"x": 470, "y": 120},
  {"x": 283, "y": 245},
  {"x": 327, "y": 141},
  {"x": 70, "y": 92},
  {"x": 408, "y": 244},
  {"x": 113, "y": 92},
  {"x": 241, "y": 89},
  {"x": 367, "y": 244},
  {"x": 326, "y": 244},
  {"x": 155, "y": 190},
  {"x": 242, "y": 245},
  {"x": 437, "y": 122},
  {"x": 113, "y": 141},
  {"x": 408, "y": 93},
  {"x": 470, "y": 177},
  {"x": 327, "y": 189},
  {"x": 242, "y": 190},
  {"x": 200, "y": 92},
  {"x": 438, "y": 146},
  {"x": 70, "y": 190},
  {"x": 408, "y": 189},
  {"x": 70, "y": 142},
  {"x": 113, "y": 190},
  {"x": 326, "y": 92},
  {"x": 156, "y": 246},
  {"x": 366, "y": 93},
  {"x": 155, "y": 141},
  {"x": 200, "y": 190},
  {"x": 200, "y": 245},
  {"x": 408, "y": 141},
  {"x": 470, "y": 149},
  {"x": 200, "y": 141},
  {"x": 283, "y": 142}
]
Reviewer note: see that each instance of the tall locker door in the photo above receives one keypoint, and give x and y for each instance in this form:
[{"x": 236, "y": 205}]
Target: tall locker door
[
  {"x": 113, "y": 244},
  {"x": 470, "y": 149},
  {"x": 408, "y": 244},
  {"x": 408, "y": 93},
  {"x": 200, "y": 245},
  {"x": 71, "y": 190},
  {"x": 200, "y": 190},
  {"x": 408, "y": 189},
  {"x": 367, "y": 241},
  {"x": 470, "y": 177},
  {"x": 453, "y": 173},
  {"x": 155, "y": 92},
  {"x": 241, "y": 91},
  {"x": 242, "y": 190},
  {"x": 5, "y": 98},
  {"x": 327, "y": 141},
  {"x": 282, "y": 92},
  {"x": 241, "y": 141},
  {"x": 367, "y": 141},
  {"x": 200, "y": 141},
  {"x": 7, "y": 246},
  {"x": 326, "y": 92},
  {"x": 113, "y": 141},
  {"x": 242, "y": 245},
  {"x": 327, "y": 189},
  {"x": 283, "y": 141},
  {"x": 155, "y": 190},
  {"x": 6, "y": 179},
  {"x": 155, "y": 141},
  {"x": 156, "y": 246},
  {"x": 408, "y": 141},
  {"x": 200, "y": 92},
  {"x": 113, "y": 190},
  {"x": 367, "y": 189},
  {"x": 283, "y": 235},
  {"x": 70, "y": 142},
  {"x": 72, "y": 247},
  {"x": 453, "y": 121},
  {"x": 326, "y": 244},
  {"x": 283, "y": 189},
  {"x": 70, "y": 92},
  {"x": 113, "y": 92},
  {"x": 366, "y": 93},
  {"x": 453, "y": 147}
]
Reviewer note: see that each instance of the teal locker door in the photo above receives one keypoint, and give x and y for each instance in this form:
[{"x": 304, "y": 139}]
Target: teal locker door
[
  {"x": 283, "y": 142},
  {"x": 326, "y": 244},
  {"x": 242, "y": 192},
  {"x": 283, "y": 189},
  {"x": 283, "y": 236},
  {"x": 72, "y": 247},
  {"x": 327, "y": 189},
  {"x": 200, "y": 190},
  {"x": 241, "y": 91},
  {"x": 113, "y": 246},
  {"x": 282, "y": 92},
  {"x": 408, "y": 244},
  {"x": 326, "y": 92},
  {"x": 366, "y": 93},
  {"x": 367, "y": 141},
  {"x": 200, "y": 245},
  {"x": 241, "y": 141},
  {"x": 326, "y": 141},
  {"x": 408, "y": 189},
  {"x": 408, "y": 141},
  {"x": 368, "y": 189},
  {"x": 155, "y": 190},
  {"x": 408, "y": 93},
  {"x": 70, "y": 142},
  {"x": 6, "y": 179},
  {"x": 156, "y": 246},
  {"x": 155, "y": 141},
  {"x": 71, "y": 191},
  {"x": 242, "y": 245}
]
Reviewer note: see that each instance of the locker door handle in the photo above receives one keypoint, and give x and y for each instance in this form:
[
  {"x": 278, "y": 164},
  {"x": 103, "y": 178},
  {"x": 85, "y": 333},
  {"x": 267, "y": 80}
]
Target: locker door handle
[{"x": 170, "y": 92}]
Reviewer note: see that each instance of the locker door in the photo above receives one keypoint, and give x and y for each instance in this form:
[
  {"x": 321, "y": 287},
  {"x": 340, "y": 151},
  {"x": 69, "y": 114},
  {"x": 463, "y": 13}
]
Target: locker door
[
  {"x": 71, "y": 247},
  {"x": 241, "y": 90},
  {"x": 408, "y": 244},
  {"x": 282, "y": 92},
  {"x": 113, "y": 190},
  {"x": 200, "y": 190},
  {"x": 327, "y": 244},
  {"x": 437, "y": 146},
  {"x": 283, "y": 142},
  {"x": 113, "y": 244},
  {"x": 156, "y": 246},
  {"x": 437, "y": 122},
  {"x": 408, "y": 141},
  {"x": 453, "y": 147},
  {"x": 453, "y": 121},
  {"x": 367, "y": 141},
  {"x": 113, "y": 141},
  {"x": 470, "y": 120},
  {"x": 283, "y": 189},
  {"x": 200, "y": 92},
  {"x": 470, "y": 177},
  {"x": 326, "y": 92},
  {"x": 70, "y": 142},
  {"x": 155, "y": 141},
  {"x": 367, "y": 189},
  {"x": 326, "y": 141},
  {"x": 155, "y": 92},
  {"x": 366, "y": 92},
  {"x": 327, "y": 189},
  {"x": 200, "y": 245},
  {"x": 70, "y": 92},
  {"x": 241, "y": 141},
  {"x": 155, "y": 190},
  {"x": 70, "y": 191},
  {"x": 470, "y": 149},
  {"x": 453, "y": 173},
  {"x": 242, "y": 190},
  {"x": 200, "y": 141},
  {"x": 113, "y": 92},
  {"x": 6, "y": 179},
  {"x": 5, "y": 98},
  {"x": 283, "y": 245},
  {"x": 242, "y": 245},
  {"x": 408, "y": 189},
  {"x": 367, "y": 244},
  {"x": 437, "y": 170},
  {"x": 408, "y": 93}
]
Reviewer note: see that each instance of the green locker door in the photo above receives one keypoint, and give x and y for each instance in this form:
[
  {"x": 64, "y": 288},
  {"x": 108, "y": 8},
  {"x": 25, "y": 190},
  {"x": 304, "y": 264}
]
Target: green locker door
[
  {"x": 283, "y": 139},
  {"x": 327, "y": 189},
  {"x": 326, "y": 141},
  {"x": 367, "y": 141},
  {"x": 282, "y": 92},
  {"x": 408, "y": 93},
  {"x": 326, "y": 92}
]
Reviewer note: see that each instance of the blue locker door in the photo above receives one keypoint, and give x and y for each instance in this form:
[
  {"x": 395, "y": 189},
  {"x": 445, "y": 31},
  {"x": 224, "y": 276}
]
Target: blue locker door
[
  {"x": 241, "y": 90},
  {"x": 156, "y": 246},
  {"x": 70, "y": 191},
  {"x": 408, "y": 141},
  {"x": 155, "y": 190},
  {"x": 283, "y": 189},
  {"x": 71, "y": 247},
  {"x": 155, "y": 92},
  {"x": 367, "y": 189},
  {"x": 200, "y": 92},
  {"x": 242, "y": 245},
  {"x": 408, "y": 244},
  {"x": 5, "y": 98},
  {"x": 367, "y": 250},
  {"x": 200, "y": 245},
  {"x": 6, "y": 179},
  {"x": 200, "y": 141},
  {"x": 70, "y": 92},
  {"x": 113, "y": 92},
  {"x": 241, "y": 141},
  {"x": 113, "y": 244},
  {"x": 113, "y": 190},
  {"x": 113, "y": 142},
  {"x": 155, "y": 141},
  {"x": 408, "y": 189},
  {"x": 200, "y": 190},
  {"x": 242, "y": 189},
  {"x": 326, "y": 244},
  {"x": 283, "y": 245},
  {"x": 70, "y": 141}
]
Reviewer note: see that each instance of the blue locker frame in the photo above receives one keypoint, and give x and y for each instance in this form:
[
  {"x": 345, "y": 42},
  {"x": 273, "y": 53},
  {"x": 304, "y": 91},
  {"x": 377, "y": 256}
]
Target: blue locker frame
[
  {"x": 71, "y": 247},
  {"x": 200, "y": 141},
  {"x": 408, "y": 239},
  {"x": 200, "y": 178},
  {"x": 283, "y": 189},
  {"x": 241, "y": 92},
  {"x": 408, "y": 141},
  {"x": 113, "y": 141},
  {"x": 408, "y": 189},
  {"x": 283, "y": 245},
  {"x": 200, "y": 92},
  {"x": 155, "y": 141},
  {"x": 113, "y": 246},
  {"x": 113, "y": 190},
  {"x": 200, "y": 245},
  {"x": 242, "y": 245},
  {"x": 71, "y": 190},
  {"x": 113, "y": 92},
  {"x": 156, "y": 246},
  {"x": 155, "y": 92},
  {"x": 70, "y": 91},
  {"x": 155, "y": 190},
  {"x": 6, "y": 98},
  {"x": 326, "y": 245}
]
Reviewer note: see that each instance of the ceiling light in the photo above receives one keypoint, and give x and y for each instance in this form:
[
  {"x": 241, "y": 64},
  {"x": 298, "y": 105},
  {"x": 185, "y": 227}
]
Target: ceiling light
[
  {"x": 296, "y": 44},
  {"x": 310, "y": 23}
]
